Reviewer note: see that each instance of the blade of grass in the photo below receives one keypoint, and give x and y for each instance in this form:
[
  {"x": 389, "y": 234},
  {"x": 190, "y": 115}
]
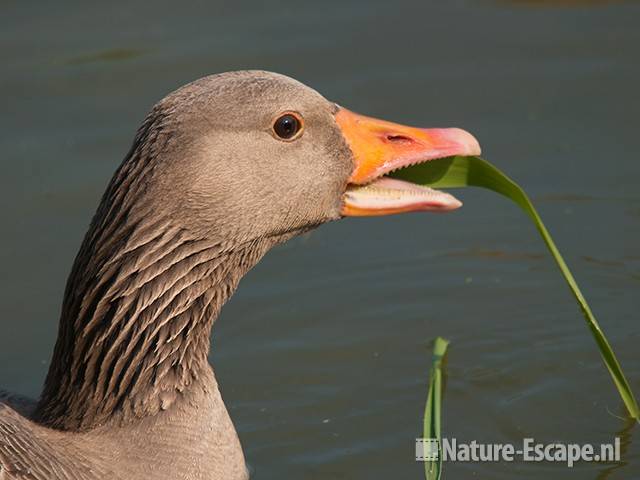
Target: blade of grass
[
  {"x": 433, "y": 410},
  {"x": 474, "y": 171}
]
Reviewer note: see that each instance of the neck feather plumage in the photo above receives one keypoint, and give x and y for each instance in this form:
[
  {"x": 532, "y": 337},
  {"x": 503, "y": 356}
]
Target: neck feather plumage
[{"x": 139, "y": 306}]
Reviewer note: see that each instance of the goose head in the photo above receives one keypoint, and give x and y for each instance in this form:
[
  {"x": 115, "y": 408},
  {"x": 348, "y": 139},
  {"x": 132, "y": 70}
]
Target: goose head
[{"x": 254, "y": 154}]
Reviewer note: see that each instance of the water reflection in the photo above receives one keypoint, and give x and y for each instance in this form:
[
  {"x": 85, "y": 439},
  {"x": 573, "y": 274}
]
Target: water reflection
[
  {"x": 112, "y": 55},
  {"x": 625, "y": 435},
  {"x": 565, "y": 3}
]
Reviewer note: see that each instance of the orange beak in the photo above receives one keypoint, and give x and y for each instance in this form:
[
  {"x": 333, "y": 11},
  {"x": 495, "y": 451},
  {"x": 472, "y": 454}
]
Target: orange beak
[{"x": 380, "y": 147}]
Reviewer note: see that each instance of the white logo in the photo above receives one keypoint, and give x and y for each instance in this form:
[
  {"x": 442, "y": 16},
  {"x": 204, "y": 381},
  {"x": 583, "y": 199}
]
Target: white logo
[{"x": 429, "y": 449}]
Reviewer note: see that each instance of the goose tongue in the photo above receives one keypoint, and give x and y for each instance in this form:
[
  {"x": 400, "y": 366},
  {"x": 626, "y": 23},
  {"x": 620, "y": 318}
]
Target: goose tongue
[
  {"x": 386, "y": 196},
  {"x": 380, "y": 147}
]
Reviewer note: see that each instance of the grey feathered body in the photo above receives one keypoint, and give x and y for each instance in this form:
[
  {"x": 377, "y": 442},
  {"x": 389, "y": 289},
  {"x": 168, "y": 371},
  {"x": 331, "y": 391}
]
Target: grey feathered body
[{"x": 202, "y": 195}]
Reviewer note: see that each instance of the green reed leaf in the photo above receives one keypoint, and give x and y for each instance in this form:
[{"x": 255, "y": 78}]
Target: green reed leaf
[
  {"x": 456, "y": 172},
  {"x": 433, "y": 410}
]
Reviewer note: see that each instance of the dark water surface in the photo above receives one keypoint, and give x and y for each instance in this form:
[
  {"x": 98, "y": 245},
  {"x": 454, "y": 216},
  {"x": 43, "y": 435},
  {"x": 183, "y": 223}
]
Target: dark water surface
[{"x": 322, "y": 354}]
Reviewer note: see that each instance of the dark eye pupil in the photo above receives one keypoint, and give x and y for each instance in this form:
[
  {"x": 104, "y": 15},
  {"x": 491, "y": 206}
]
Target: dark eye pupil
[{"x": 286, "y": 126}]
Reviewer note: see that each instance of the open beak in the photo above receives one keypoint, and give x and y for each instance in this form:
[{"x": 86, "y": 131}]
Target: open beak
[{"x": 381, "y": 147}]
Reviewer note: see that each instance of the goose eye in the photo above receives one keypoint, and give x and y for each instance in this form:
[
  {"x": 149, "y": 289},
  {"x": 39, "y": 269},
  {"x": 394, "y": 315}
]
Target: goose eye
[{"x": 287, "y": 126}]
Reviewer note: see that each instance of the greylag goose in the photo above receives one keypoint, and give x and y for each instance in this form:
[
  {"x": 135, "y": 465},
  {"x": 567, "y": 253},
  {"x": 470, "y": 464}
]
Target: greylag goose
[{"x": 220, "y": 171}]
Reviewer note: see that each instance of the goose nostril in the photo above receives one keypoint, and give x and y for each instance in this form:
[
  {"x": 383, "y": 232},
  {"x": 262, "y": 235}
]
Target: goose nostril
[{"x": 399, "y": 139}]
